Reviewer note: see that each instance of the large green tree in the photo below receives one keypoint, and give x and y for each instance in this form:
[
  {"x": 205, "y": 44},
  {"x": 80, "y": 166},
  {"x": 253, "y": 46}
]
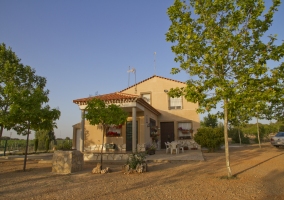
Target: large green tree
[
  {"x": 12, "y": 79},
  {"x": 100, "y": 113},
  {"x": 30, "y": 110},
  {"x": 220, "y": 44}
]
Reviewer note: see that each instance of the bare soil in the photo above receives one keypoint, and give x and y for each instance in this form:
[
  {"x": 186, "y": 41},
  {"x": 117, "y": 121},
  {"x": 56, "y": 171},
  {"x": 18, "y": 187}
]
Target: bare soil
[{"x": 258, "y": 174}]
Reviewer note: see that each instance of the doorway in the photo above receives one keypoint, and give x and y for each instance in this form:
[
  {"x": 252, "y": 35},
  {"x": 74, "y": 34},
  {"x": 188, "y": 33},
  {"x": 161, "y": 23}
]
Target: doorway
[
  {"x": 129, "y": 135},
  {"x": 167, "y": 133}
]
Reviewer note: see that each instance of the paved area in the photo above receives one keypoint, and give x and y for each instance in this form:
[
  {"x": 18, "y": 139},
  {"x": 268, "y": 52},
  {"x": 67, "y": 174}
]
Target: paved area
[
  {"x": 159, "y": 156},
  {"x": 187, "y": 155}
]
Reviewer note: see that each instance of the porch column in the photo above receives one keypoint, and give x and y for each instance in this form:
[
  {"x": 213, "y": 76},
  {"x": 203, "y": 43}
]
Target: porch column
[
  {"x": 82, "y": 130},
  {"x": 134, "y": 145}
]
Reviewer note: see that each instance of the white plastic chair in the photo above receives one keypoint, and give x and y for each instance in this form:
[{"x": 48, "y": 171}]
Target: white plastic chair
[
  {"x": 168, "y": 147},
  {"x": 174, "y": 146},
  {"x": 181, "y": 145}
]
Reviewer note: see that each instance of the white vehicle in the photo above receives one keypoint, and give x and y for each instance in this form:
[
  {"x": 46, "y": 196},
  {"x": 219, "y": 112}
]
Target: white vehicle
[{"x": 278, "y": 139}]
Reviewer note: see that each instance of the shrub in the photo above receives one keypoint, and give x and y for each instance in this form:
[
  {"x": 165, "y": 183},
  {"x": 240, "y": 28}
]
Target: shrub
[
  {"x": 65, "y": 145},
  {"x": 234, "y": 134},
  {"x": 136, "y": 158},
  {"x": 209, "y": 137}
]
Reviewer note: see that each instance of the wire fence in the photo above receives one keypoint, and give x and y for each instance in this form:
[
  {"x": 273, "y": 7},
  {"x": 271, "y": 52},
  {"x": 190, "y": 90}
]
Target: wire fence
[{"x": 13, "y": 147}]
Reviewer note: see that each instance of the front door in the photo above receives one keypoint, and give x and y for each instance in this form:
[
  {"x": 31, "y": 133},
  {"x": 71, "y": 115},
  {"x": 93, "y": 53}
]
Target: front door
[
  {"x": 167, "y": 133},
  {"x": 129, "y": 135}
]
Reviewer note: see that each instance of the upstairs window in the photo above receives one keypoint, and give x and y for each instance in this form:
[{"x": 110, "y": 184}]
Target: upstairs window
[
  {"x": 175, "y": 103},
  {"x": 147, "y": 97}
]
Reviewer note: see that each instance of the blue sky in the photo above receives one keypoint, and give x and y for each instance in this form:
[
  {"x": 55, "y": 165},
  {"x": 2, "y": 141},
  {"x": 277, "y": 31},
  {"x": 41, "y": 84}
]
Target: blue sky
[{"x": 84, "y": 47}]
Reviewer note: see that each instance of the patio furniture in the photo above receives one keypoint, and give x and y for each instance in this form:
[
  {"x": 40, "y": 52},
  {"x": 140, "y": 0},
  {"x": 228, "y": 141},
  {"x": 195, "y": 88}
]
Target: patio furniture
[
  {"x": 123, "y": 147},
  {"x": 181, "y": 146},
  {"x": 168, "y": 147},
  {"x": 174, "y": 147}
]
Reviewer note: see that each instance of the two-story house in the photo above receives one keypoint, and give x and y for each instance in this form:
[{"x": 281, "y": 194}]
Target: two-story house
[{"x": 151, "y": 113}]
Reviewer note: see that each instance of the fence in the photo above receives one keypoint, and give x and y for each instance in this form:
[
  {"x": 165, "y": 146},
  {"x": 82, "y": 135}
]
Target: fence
[{"x": 8, "y": 147}]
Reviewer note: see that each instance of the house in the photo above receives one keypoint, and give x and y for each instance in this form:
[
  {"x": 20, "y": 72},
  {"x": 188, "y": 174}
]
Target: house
[{"x": 153, "y": 117}]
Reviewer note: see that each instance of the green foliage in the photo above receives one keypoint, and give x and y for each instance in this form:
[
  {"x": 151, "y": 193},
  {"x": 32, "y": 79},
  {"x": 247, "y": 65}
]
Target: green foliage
[
  {"x": 264, "y": 130},
  {"x": 136, "y": 158},
  {"x": 234, "y": 134},
  {"x": 219, "y": 43},
  {"x": 209, "y": 137},
  {"x": 100, "y": 113},
  {"x": 47, "y": 142},
  {"x": 11, "y": 80},
  {"x": 36, "y": 145},
  {"x": 43, "y": 136},
  {"x": 23, "y": 99},
  {"x": 209, "y": 121},
  {"x": 65, "y": 145},
  {"x": 281, "y": 128}
]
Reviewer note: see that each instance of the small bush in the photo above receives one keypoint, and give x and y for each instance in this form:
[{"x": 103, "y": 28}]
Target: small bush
[
  {"x": 209, "y": 137},
  {"x": 65, "y": 145},
  {"x": 136, "y": 158},
  {"x": 234, "y": 134}
]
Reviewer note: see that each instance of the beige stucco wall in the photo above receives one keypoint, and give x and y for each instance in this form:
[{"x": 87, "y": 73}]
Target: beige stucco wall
[
  {"x": 160, "y": 100},
  {"x": 93, "y": 134}
]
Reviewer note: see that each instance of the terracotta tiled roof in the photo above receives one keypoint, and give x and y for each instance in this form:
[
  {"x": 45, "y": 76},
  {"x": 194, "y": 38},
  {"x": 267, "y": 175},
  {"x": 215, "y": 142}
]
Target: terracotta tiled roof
[
  {"x": 116, "y": 97},
  {"x": 151, "y": 78}
]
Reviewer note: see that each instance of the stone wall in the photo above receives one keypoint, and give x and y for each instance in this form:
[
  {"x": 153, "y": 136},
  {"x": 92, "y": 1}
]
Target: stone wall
[{"x": 66, "y": 162}]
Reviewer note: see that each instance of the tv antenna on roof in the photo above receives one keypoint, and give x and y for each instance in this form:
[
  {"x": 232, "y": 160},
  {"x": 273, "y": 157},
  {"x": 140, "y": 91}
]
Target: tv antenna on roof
[
  {"x": 155, "y": 63},
  {"x": 133, "y": 70}
]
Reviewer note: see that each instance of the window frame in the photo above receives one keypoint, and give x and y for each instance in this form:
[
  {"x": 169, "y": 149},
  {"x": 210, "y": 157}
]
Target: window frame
[
  {"x": 175, "y": 107},
  {"x": 143, "y": 93}
]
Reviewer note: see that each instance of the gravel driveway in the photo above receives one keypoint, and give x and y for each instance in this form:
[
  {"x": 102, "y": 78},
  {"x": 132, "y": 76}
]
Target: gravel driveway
[{"x": 259, "y": 175}]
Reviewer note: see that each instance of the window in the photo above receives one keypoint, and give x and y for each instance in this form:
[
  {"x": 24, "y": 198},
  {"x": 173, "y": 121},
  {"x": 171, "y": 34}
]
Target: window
[
  {"x": 185, "y": 130},
  {"x": 147, "y": 97},
  {"x": 175, "y": 103}
]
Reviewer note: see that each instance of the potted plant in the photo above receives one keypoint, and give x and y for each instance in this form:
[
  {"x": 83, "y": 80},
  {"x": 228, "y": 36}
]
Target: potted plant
[
  {"x": 151, "y": 149},
  {"x": 184, "y": 131}
]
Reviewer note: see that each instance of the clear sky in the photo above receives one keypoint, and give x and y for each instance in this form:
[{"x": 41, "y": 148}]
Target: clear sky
[{"x": 86, "y": 47}]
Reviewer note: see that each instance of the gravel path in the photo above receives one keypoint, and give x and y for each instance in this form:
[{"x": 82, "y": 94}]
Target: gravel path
[{"x": 259, "y": 175}]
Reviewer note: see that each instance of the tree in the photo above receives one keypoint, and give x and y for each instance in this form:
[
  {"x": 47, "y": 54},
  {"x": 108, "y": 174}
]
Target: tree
[
  {"x": 99, "y": 113},
  {"x": 209, "y": 121},
  {"x": 29, "y": 110},
  {"x": 11, "y": 80},
  {"x": 45, "y": 135},
  {"x": 220, "y": 46}
]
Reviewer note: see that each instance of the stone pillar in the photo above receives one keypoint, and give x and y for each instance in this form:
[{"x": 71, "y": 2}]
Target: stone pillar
[
  {"x": 134, "y": 144},
  {"x": 67, "y": 162},
  {"x": 82, "y": 130}
]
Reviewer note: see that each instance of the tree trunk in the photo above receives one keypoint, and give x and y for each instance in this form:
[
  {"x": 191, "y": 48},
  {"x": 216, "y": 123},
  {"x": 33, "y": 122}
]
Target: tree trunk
[
  {"x": 240, "y": 138},
  {"x": 258, "y": 132},
  {"x": 1, "y": 132},
  {"x": 227, "y": 155},
  {"x": 104, "y": 130},
  {"x": 26, "y": 152}
]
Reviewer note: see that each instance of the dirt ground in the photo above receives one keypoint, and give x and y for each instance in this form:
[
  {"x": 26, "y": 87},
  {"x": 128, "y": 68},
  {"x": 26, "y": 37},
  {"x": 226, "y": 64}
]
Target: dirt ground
[{"x": 259, "y": 175}]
